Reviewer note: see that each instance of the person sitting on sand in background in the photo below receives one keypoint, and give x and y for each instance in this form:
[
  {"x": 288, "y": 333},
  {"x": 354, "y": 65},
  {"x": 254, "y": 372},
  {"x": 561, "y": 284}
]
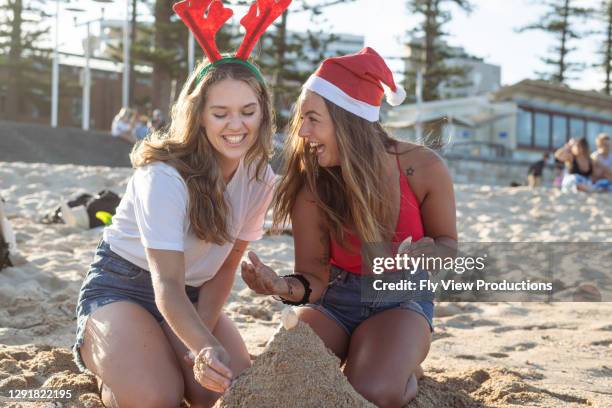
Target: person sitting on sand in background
[
  {"x": 534, "y": 174},
  {"x": 347, "y": 181},
  {"x": 559, "y": 172},
  {"x": 141, "y": 129},
  {"x": 123, "y": 125},
  {"x": 583, "y": 173},
  {"x": 603, "y": 154},
  {"x": 165, "y": 267},
  {"x": 157, "y": 121}
]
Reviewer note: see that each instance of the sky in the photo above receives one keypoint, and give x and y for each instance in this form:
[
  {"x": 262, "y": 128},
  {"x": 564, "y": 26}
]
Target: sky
[{"x": 488, "y": 32}]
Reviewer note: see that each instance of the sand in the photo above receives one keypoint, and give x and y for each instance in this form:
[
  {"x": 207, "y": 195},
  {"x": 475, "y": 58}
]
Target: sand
[{"x": 493, "y": 354}]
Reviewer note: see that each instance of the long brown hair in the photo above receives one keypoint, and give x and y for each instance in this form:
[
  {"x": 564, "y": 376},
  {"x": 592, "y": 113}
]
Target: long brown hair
[
  {"x": 350, "y": 195},
  {"x": 185, "y": 147}
]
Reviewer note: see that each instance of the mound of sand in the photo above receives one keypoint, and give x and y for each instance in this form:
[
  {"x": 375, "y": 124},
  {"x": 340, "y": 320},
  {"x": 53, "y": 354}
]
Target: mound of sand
[
  {"x": 36, "y": 367},
  {"x": 295, "y": 370},
  {"x": 494, "y": 387}
]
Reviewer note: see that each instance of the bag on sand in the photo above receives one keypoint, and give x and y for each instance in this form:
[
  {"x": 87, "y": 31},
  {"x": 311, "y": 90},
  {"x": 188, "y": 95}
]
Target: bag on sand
[
  {"x": 81, "y": 211},
  {"x": 105, "y": 201},
  {"x": 55, "y": 216}
]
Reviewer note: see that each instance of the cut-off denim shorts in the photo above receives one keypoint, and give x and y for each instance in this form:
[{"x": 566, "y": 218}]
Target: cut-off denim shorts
[
  {"x": 345, "y": 301},
  {"x": 112, "y": 278}
]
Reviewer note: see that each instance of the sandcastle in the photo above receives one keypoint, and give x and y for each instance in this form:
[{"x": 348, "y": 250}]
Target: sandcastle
[{"x": 295, "y": 369}]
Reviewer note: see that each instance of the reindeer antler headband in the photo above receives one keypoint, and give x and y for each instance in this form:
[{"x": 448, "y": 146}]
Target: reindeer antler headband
[{"x": 205, "y": 17}]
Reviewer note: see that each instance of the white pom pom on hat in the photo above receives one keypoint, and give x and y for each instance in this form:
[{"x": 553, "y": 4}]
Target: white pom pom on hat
[
  {"x": 395, "y": 98},
  {"x": 357, "y": 83}
]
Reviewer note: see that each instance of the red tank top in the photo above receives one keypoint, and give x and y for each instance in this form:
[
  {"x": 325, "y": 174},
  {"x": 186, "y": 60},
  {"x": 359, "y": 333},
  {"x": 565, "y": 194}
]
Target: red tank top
[{"x": 409, "y": 223}]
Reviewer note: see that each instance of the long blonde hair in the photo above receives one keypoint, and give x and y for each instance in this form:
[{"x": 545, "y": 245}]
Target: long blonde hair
[
  {"x": 185, "y": 147},
  {"x": 350, "y": 195}
]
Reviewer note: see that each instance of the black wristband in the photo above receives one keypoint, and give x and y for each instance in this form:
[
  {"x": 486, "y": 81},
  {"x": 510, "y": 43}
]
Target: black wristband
[{"x": 307, "y": 290}]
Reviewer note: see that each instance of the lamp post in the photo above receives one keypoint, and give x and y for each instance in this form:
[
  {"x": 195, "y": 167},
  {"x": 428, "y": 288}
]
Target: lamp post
[
  {"x": 55, "y": 70},
  {"x": 86, "y": 83},
  {"x": 86, "y": 102},
  {"x": 126, "y": 56},
  {"x": 190, "y": 53},
  {"x": 55, "y": 66},
  {"x": 419, "y": 105}
]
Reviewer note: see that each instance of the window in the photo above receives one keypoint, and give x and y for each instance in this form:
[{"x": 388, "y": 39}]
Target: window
[
  {"x": 542, "y": 130},
  {"x": 576, "y": 128},
  {"x": 548, "y": 130},
  {"x": 559, "y": 131},
  {"x": 524, "y": 128}
]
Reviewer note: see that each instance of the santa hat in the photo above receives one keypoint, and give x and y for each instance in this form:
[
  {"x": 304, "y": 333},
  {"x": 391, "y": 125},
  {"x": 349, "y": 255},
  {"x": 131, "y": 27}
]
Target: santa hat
[{"x": 357, "y": 83}]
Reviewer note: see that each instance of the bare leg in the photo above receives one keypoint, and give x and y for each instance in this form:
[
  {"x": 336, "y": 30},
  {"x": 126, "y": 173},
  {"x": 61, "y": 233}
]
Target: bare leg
[
  {"x": 333, "y": 335},
  {"x": 387, "y": 378},
  {"x": 226, "y": 332},
  {"x": 125, "y": 347}
]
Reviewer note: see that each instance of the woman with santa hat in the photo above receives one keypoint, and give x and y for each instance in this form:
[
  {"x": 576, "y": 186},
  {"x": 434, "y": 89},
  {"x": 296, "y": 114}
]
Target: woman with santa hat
[{"x": 348, "y": 183}]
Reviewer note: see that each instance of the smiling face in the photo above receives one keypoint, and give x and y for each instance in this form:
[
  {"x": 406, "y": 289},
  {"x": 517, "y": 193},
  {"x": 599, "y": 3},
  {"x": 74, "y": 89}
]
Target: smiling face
[
  {"x": 231, "y": 118},
  {"x": 318, "y": 130}
]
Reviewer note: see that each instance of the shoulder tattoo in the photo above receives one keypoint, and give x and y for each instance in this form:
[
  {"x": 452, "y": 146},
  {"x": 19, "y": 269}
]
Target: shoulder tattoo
[{"x": 409, "y": 171}]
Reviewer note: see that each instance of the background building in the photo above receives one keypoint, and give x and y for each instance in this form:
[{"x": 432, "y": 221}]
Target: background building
[
  {"x": 106, "y": 78},
  {"x": 480, "y": 77},
  {"x": 492, "y": 138}
]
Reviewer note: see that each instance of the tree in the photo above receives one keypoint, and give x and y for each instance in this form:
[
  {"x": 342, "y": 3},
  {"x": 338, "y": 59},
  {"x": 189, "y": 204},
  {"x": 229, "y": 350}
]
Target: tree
[
  {"x": 429, "y": 50},
  {"x": 163, "y": 46},
  {"x": 560, "y": 21},
  {"x": 24, "y": 61},
  {"x": 606, "y": 45}
]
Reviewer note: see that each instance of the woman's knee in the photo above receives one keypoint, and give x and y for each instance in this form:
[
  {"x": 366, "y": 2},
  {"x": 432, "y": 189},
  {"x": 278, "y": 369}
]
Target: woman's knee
[
  {"x": 229, "y": 336},
  {"x": 161, "y": 400},
  {"x": 204, "y": 401},
  {"x": 155, "y": 394},
  {"x": 381, "y": 394}
]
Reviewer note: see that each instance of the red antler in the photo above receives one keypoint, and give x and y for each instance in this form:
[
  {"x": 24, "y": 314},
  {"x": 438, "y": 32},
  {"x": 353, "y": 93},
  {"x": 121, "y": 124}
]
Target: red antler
[
  {"x": 261, "y": 14},
  {"x": 204, "y": 18}
]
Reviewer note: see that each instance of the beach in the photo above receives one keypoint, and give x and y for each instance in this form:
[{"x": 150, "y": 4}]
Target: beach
[{"x": 494, "y": 354}]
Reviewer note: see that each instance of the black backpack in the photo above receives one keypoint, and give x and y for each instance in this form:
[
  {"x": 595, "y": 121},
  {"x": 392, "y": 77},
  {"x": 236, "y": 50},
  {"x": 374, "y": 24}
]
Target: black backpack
[{"x": 106, "y": 201}]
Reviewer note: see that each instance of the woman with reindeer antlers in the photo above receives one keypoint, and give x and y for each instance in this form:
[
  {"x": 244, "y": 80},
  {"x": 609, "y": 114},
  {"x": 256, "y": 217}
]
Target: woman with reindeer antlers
[{"x": 163, "y": 270}]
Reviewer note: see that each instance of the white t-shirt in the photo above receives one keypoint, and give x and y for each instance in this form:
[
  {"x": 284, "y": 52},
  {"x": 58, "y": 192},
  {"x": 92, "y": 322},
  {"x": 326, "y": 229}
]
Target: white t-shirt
[
  {"x": 605, "y": 160},
  {"x": 154, "y": 214}
]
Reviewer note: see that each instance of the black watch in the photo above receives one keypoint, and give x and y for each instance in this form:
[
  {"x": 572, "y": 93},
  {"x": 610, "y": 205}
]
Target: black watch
[{"x": 307, "y": 291}]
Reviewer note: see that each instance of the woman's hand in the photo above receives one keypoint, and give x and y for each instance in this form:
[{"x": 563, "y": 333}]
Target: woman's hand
[
  {"x": 211, "y": 369},
  {"x": 428, "y": 247},
  {"x": 262, "y": 279},
  {"x": 425, "y": 246}
]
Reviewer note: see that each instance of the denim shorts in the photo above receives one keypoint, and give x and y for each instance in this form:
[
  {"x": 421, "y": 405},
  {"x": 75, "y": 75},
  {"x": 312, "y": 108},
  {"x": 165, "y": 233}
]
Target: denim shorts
[
  {"x": 110, "y": 279},
  {"x": 345, "y": 300}
]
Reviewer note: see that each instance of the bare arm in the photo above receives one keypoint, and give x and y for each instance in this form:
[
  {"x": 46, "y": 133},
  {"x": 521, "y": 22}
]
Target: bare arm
[
  {"x": 215, "y": 292},
  {"x": 564, "y": 153},
  {"x": 311, "y": 243},
  {"x": 168, "y": 276},
  {"x": 432, "y": 183},
  {"x": 438, "y": 207}
]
